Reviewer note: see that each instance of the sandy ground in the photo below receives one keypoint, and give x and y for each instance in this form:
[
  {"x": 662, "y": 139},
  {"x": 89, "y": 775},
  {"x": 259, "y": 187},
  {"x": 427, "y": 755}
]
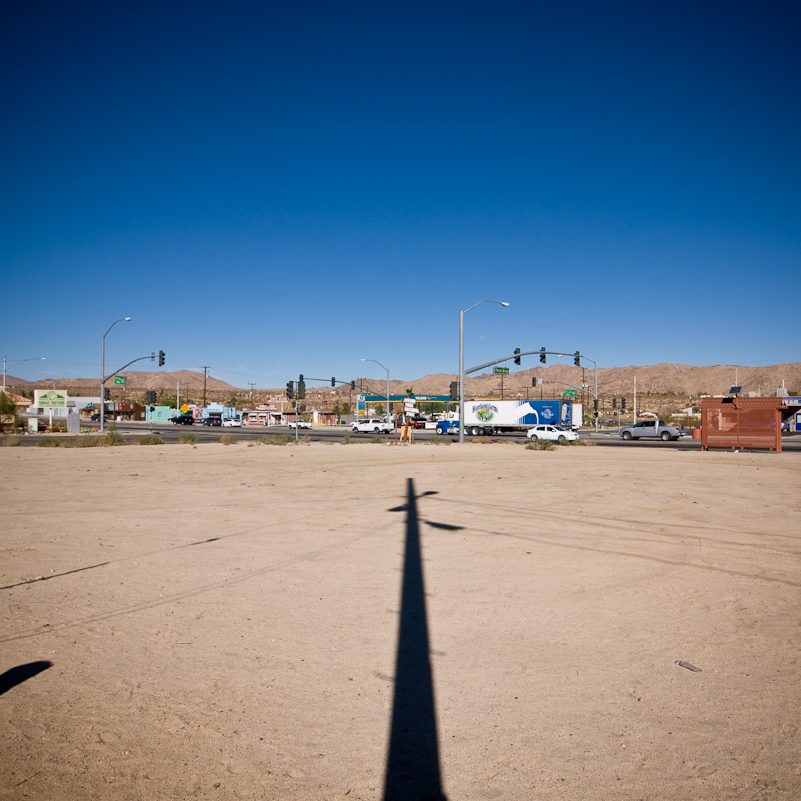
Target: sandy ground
[{"x": 223, "y": 622}]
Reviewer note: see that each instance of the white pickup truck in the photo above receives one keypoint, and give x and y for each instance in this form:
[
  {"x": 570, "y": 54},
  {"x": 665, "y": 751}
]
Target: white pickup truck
[
  {"x": 655, "y": 429},
  {"x": 373, "y": 425}
]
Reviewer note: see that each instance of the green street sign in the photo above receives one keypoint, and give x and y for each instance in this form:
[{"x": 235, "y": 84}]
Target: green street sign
[
  {"x": 502, "y": 370},
  {"x": 119, "y": 380},
  {"x": 569, "y": 393}
]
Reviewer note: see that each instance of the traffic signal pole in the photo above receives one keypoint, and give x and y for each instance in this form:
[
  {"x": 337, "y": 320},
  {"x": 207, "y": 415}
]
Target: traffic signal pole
[{"x": 119, "y": 370}]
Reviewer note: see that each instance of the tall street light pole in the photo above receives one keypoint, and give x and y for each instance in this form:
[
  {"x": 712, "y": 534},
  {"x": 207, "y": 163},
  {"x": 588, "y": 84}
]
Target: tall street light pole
[
  {"x": 34, "y": 359},
  {"x": 387, "y": 369},
  {"x": 103, "y": 372},
  {"x": 462, "y": 313}
]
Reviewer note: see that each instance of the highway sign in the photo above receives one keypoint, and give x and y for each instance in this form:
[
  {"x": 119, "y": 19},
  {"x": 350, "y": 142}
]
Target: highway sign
[
  {"x": 502, "y": 370},
  {"x": 119, "y": 380},
  {"x": 569, "y": 393}
]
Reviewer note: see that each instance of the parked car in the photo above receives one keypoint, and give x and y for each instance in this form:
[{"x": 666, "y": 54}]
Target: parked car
[
  {"x": 419, "y": 422},
  {"x": 552, "y": 433},
  {"x": 300, "y": 424},
  {"x": 231, "y": 422},
  {"x": 95, "y": 418},
  {"x": 375, "y": 425},
  {"x": 655, "y": 429},
  {"x": 212, "y": 420},
  {"x": 183, "y": 420}
]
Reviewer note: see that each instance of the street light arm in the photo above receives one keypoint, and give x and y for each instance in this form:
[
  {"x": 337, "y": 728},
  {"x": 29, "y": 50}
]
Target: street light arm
[
  {"x": 33, "y": 359},
  {"x": 375, "y": 361},
  {"x": 501, "y": 302},
  {"x": 121, "y": 320}
]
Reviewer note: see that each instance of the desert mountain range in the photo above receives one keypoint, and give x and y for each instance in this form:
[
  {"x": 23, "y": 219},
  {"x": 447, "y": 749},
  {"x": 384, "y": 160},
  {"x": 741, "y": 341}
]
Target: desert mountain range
[{"x": 665, "y": 378}]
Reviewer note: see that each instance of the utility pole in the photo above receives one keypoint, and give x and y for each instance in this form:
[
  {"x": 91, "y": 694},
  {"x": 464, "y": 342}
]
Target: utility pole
[
  {"x": 251, "y": 385},
  {"x": 205, "y": 374}
]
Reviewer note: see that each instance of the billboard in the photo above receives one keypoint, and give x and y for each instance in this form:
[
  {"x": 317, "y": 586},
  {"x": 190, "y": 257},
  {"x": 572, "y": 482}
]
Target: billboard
[{"x": 50, "y": 398}]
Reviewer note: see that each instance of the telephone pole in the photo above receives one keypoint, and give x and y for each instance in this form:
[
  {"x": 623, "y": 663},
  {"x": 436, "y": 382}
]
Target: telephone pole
[{"x": 205, "y": 375}]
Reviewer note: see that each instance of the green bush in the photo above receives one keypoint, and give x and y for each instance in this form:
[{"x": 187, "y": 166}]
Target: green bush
[
  {"x": 112, "y": 438},
  {"x": 345, "y": 440},
  {"x": 229, "y": 439},
  {"x": 376, "y": 439},
  {"x": 541, "y": 445},
  {"x": 280, "y": 439},
  {"x": 188, "y": 438},
  {"x": 10, "y": 440},
  {"x": 87, "y": 441},
  {"x": 49, "y": 442},
  {"x": 150, "y": 439},
  {"x": 438, "y": 440}
]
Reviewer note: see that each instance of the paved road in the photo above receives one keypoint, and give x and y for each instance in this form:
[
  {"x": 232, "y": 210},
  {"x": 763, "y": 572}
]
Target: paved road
[{"x": 172, "y": 433}]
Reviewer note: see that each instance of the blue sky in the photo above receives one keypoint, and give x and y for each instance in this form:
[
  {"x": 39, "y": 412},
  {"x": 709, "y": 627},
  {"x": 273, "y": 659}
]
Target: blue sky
[{"x": 281, "y": 188}]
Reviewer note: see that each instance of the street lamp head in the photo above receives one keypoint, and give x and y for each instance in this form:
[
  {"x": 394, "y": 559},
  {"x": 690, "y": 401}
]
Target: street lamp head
[
  {"x": 504, "y": 303},
  {"x": 127, "y": 319}
]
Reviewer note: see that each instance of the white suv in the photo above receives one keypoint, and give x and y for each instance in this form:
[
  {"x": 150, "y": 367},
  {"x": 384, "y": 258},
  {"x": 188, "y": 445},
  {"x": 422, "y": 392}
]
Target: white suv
[{"x": 375, "y": 425}]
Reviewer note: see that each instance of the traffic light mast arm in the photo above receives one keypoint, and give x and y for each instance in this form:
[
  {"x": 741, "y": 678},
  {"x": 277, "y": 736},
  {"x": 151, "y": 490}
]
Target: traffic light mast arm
[
  {"x": 141, "y": 358},
  {"x": 515, "y": 356},
  {"x": 328, "y": 380}
]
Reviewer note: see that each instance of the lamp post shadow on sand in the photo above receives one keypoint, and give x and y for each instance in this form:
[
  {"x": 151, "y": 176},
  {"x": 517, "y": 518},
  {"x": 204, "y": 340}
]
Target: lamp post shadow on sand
[{"x": 413, "y": 769}]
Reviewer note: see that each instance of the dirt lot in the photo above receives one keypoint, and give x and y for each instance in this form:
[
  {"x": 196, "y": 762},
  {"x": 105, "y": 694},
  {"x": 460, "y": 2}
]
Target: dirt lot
[{"x": 223, "y": 622}]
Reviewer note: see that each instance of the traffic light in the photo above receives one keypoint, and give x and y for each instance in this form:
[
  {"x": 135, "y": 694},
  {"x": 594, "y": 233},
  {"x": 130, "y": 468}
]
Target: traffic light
[
  {"x": 517, "y": 355},
  {"x": 333, "y": 381},
  {"x": 614, "y": 403},
  {"x": 454, "y": 390},
  {"x": 542, "y": 355},
  {"x": 577, "y": 359},
  {"x": 301, "y": 388},
  {"x": 106, "y": 394},
  {"x": 534, "y": 381},
  {"x": 150, "y": 397},
  {"x": 290, "y": 389},
  {"x": 622, "y": 403},
  {"x": 595, "y": 405},
  {"x": 352, "y": 385},
  {"x": 161, "y": 358}
]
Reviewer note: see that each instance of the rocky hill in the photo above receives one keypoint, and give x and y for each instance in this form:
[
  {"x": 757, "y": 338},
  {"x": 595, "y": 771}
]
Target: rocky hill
[
  {"x": 662, "y": 388},
  {"x": 135, "y": 380}
]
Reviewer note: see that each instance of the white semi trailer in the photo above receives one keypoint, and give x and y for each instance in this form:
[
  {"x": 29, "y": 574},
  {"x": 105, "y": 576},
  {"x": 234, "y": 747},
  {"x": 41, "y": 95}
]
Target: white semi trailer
[{"x": 492, "y": 416}]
